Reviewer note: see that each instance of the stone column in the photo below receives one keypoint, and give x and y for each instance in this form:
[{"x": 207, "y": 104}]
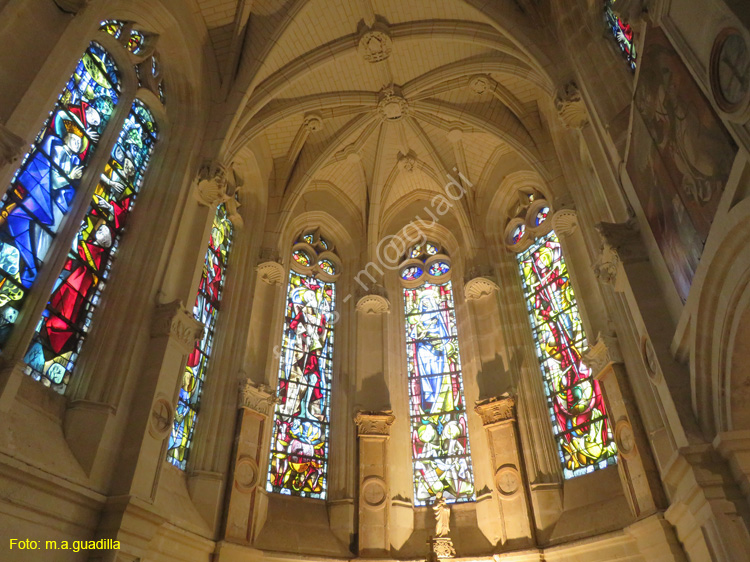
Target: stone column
[
  {"x": 638, "y": 471},
  {"x": 244, "y": 513},
  {"x": 261, "y": 339},
  {"x": 373, "y": 431},
  {"x": 499, "y": 420}
]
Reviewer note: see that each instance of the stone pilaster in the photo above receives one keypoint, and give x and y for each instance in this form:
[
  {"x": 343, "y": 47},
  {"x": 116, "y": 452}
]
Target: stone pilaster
[
  {"x": 499, "y": 420},
  {"x": 261, "y": 340},
  {"x": 373, "y": 431},
  {"x": 245, "y": 509}
]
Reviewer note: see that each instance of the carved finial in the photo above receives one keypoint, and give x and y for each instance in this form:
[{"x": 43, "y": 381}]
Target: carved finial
[{"x": 570, "y": 107}]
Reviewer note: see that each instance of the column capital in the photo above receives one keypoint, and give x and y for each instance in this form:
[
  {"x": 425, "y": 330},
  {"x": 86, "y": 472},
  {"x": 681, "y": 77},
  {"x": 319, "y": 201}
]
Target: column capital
[
  {"x": 602, "y": 354},
  {"x": 257, "y": 397},
  {"x": 374, "y": 423},
  {"x": 496, "y": 409},
  {"x": 175, "y": 321},
  {"x": 621, "y": 245},
  {"x": 565, "y": 222},
  {"x": 270, "y": 272},
  {"x": 570, "y": 106},
  {"x": 479, "y": 287},
  {"x": 11, "y": 146}
]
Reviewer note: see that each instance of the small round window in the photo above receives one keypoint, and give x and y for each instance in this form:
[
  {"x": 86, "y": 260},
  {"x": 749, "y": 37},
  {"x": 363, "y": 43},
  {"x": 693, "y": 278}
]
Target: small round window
[
  {"x": 411, "y": 273},
  {"x": 327, "y": 266},
  {"x": 301, "y": 257}
]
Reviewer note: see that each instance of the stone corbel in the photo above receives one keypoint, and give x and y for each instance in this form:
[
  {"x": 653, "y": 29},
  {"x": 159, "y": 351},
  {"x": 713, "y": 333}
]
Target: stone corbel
[
  {"x": 479, "y": 287},
  {"x": 601, "y": 355},
  {"x": 177, "y": 322},
  {"x": 270, "y": 272},
  {"x": 571, "y": 108},
  {"x": 11, "y": 146},
  {"x": 215, "y": 184},
  {"x": 497, "y": 409},
  {"x": 257, "y": 397},
  {"x": 374, "y": 423},
  {"x": 373, "y": 304},
  {"x": 565, "y": 222}
]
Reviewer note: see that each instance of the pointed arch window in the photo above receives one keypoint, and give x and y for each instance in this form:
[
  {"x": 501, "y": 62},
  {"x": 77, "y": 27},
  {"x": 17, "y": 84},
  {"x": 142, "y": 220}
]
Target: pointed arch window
[
  {"x": 205, "y": 310},
  {"x": 299, "y": 443},
  {"x": 574, "y": 398},
  {"x": 622, "y": 33},
  {"x": 441, "y": 455},
  {"x": 41, "y": 194}
]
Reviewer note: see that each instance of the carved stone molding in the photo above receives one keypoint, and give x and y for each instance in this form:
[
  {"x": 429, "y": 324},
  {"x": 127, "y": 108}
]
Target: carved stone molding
[
  {"x": 392, "y": 105},
  {"x": 373, "y": 304},
  {"x": 214, "y": 184},
  {"x": 565, "y": 222},
  {"x": 11, "y": 146},
  {"x": 375, "y": 44},
  {"x": 481, "y": 83},
  {"x": 479, "y": 287},
  {"x": 174, "y": 320},
  {"x": 374, "y": 423},
  {"x": 71, "y": 6},
  {"x": 313, "y": 122},
  {"x": 257, "y": 397},
  {"x": 570, "y": 107},
  {"x": 604, "y": 353},
  {"x": 497, "y": 409},
  {"x": 270, "y": 272}
]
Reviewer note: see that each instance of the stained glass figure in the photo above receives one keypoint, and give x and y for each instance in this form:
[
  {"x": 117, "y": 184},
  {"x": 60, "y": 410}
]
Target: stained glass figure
[
  {"x": 327, "y": 266},
  {"x": 439, "y": 268},
  {"x": 574, "y": 398},
  {"x": 135, "y": 41},
  {"x": 65, "y": 322},
  {"x": 308, "y": 238},
  {"x": 205, "y": 310},
  {"x": 411, "y": 273},
  {"x": 301, "y": 257},
  {"x": 416, "y": 251},
  {"x": 518, "y": 233},
  {"x": 541, "y": 216},
  {"x": 324, "y": 243},
  {"x": 43, "y": 187},
  {"x": 430, "y": 249},
  {"x": 622, "y": 33},
  {"x": 439, "y": 428},
  {"x": 299, "y": 443}
]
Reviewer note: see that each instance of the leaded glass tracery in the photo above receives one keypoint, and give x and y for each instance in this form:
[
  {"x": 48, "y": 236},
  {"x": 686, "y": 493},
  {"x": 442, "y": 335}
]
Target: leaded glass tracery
[
  {"x": 205, "y": 310},
  {"x": 43, "y": 187},
  {"x": 299, "y": 441},
  {"x": 441, "y": 454},
  {"x": 576, "y": 405}
]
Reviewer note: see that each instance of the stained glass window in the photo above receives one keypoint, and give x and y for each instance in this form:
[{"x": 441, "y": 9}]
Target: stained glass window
[
  {"x": 66, "y": 320},
  {"x": 42, "y": 189},
  {"x": 518, "y": 233},
  {"x": 205, "y": 310},
  {"x": 574, "y": 398},
  {"x": 439, "y": 429},
  {"x": 135, "y": 39},
  {"x": 299, "y": 444},
  {"x": 622, "y": 32}
]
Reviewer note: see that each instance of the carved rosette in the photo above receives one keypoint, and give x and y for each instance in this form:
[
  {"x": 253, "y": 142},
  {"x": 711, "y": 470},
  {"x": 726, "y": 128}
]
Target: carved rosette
[
  {"x": 257, "y": 397},
  {"x": 604, "y": 353},
  {"x": 374, "y": 423},
  {"x": 375, "y": 44},
  {"x": 177, "y": 322},
  {"x": 481, "y": 83},
  {"x": 479, "y": 287},
  {"x": 11, "y": 146},
  {"x": 270, "y": 272},
  {"x": 495, "y": 410},
  {"x": 570, "y": 107},
  {"x": 373, "y": 304},
  {"x": 565, "y": 222}
]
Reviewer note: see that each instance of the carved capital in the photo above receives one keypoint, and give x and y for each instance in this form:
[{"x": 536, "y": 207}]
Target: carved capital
[
  {"x": 624, "y": 239},
  {"x": 71, "y": 6},
  {"x": 497, "y": 409},
  {"x": 481, "y": 83},
  {"x": 374, "y": 423},
  {"x": 375, "y": 44},
  {"x": 565, "y": 222},
  {"x": 373, "y": 304},
  {"x": 479, "y": 287},
  {"x": 11, "y": 146},
  {"x": 570, "y": 107},
  {"x": 270, "y": 272},
  {"x": 177, "y": 322},
  {"x": 601, "y": 355},
  {"x": 215, "y": 184},
  {"x": 257, "y": 397}
]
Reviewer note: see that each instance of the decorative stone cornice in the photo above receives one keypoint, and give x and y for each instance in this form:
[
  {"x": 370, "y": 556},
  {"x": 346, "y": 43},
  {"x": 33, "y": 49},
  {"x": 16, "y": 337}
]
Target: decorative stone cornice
[
  {"x": 604, "y": 353},
  {"x": 392, "y": 105},
  {"x": 270, "y": 272},
  {"x": 11, "y": 146},
  {"x": 481, "y": 83},
  {"x": 313, "y": 122},
  {"x": 256, "y": 397},
  {"x": 565, "y": 222},
  {"x": 374, "y": 423},
  {"x": 71, "y": 6},
  {"x": 375, "y": 44},
  {"x": 479, "y": 287},
  {"x": 214, "y": 184},
  {"x": 175, "y": 321},
  {"x": 373, "y": 304},
  {"x": 570, "y": 107},
  {"x": 497, "y": 409}
]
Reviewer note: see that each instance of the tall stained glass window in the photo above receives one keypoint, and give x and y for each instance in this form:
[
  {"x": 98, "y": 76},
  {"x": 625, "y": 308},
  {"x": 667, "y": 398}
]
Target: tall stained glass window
[
  {"x": 439, "y": 430},
  {"x": 574, "y": 398},
  {"x": 299, "y": 443},
  {"x": 205, "y": 310},
  {"x": 622, "y": 33},
  {"x": 43, "y": 187}
]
